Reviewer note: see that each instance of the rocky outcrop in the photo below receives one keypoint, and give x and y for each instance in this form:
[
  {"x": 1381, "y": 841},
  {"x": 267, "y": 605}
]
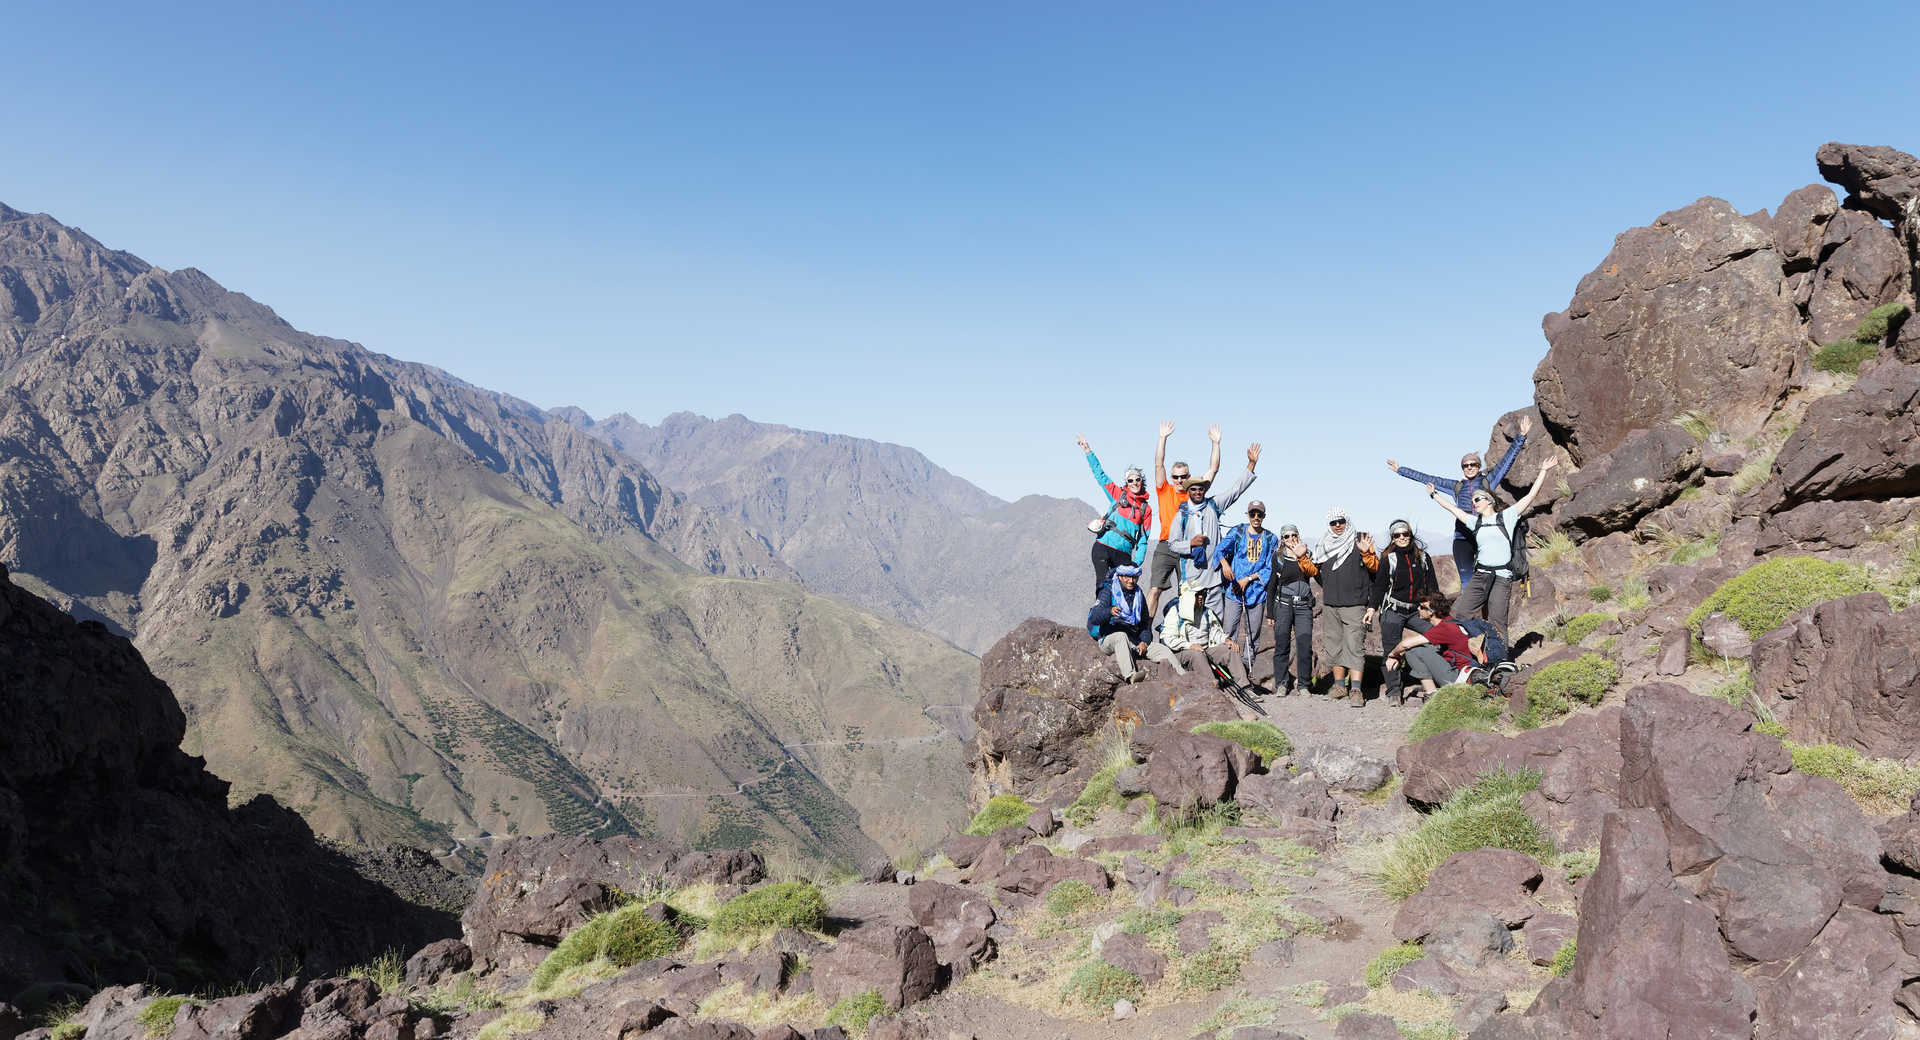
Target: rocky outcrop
[
  {"x": 1861, "y": 444},
  {"x": 1845, "y": 672},
  {"x": 1884, "y": 182},
  {"x": 121, "y": 856},
  {"x": 1647, "y": 470},
  {"x": 1044, "y": 688},
  {"x": 1578, "y": 759}
]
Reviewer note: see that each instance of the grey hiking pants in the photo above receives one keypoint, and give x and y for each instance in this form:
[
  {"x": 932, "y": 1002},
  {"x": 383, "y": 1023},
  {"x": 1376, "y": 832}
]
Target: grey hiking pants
[{"x": 1488, "y": 595}]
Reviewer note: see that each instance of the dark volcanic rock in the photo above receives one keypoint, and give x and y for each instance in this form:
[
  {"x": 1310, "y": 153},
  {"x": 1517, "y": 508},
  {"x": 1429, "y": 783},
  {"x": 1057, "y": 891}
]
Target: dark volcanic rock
[
  {"x": 1495, "y": 881},
  {"x": 897, "y": 960},
  {"x": 1647, "y": 470},
  {"x": 121, "y": 857},
  {"x": 956, "y": 919},
  {"x": 436, "y": 961},
  {"x": 1280, "y": 795},
  {"x": 1044, "y": 688},
  {"x": 1886, "y": 183},
  {"x": 1842, "y": 985},
  {"x": 1196, "y": 769},
  {"x": 1684, "y": 314},
  {"x": 1579, "y": 761},
  {"x": 1845, "y": 672},
  {"x": 1863, "y": 443}
]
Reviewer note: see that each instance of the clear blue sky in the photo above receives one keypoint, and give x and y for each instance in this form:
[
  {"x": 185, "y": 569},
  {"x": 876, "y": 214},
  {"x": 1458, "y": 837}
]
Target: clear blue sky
[{"x": 976, "y": 229}]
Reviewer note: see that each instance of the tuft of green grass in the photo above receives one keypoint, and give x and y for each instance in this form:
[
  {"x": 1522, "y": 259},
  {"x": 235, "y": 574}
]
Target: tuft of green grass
[
  {"x": 1880, "y": 786},
  {"x": 1215, "y": 969},
  {"x": 1552, "y": 690},
  {"x": 1563, "y": 958},
  {"x": 1388, "y": 962},
  {"x": 1755, "y": 471},
  {"x": 1760, "y": 598},
  {"x": 1695, "y": 550},
  {"x": 513, "y": 1023},
  {"x": 855, "y": 1013},
  {"x": 1459, "y": 706},
  {"x": 622, "y": 937},
  {"x": 1771, "y": 728},
  {"x": 1184, "y": 826},
  {"x": 157, "y": 1016},
  {"x": 387, "y": 971},
  {"x": 1100, "y": 792},
  {"x": 1579, "y": 863},
  {"x": 1148, "y": 920},
  {"x": 1241, "y": 1009},
  {"x": 1071, "y": 897},
  {"x": 1600, "y": 593},
  {"x": 1262, "y": 738},
  {"x": 1545, "y": 550},
  {"x": 1735, "y": 690},
  {"x": 1000, "y": 812},
  {"x": 1578, "y": 628},
  {"x": 1845, "y": 356},
  {"x": 68, "y": 1030},
  {"x": 1697, "y": 423},
  {"x": 1634, "y": 594},
  {"x": 1098, "y": 985},
  {"x": 784, "y": 904},
  {"x": 1874, "y": 327},
  {"x": 1486, "y": 815}
]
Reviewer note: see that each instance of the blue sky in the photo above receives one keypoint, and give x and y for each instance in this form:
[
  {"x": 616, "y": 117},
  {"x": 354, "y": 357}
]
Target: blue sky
[{"x": 975, "y": 229}]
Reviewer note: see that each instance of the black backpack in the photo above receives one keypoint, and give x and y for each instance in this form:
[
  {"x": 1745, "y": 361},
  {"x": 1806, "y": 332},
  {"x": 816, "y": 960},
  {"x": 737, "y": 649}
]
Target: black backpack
[{"x": 1516, "y": 541}]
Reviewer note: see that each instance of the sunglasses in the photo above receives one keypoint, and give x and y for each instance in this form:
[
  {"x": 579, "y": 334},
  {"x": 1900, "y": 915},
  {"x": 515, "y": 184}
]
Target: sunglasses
[
  {"x": 1336, "y": 523},
  {"x": 1256, "y": 512},
  {"x": 1469, "y": 465},
  {"x": 1403, "y": 534},
  {"x": 1179, "y": 477}
]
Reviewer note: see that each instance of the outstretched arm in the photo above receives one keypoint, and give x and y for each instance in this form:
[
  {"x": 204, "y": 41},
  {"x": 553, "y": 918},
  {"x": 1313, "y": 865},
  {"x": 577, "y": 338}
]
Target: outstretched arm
[
  {"x": 1448, "y": 504},
  {"x": 1099, "y": 475},
  {"x": 1160, "y": 456},
  {"x": 1449, "y": 486},
  {"x": 1538, "y": 483},
  {"x": 1213, "y": 459}
]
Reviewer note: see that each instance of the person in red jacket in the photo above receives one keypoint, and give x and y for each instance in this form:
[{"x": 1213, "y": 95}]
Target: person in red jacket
[{"x": 1438, "y": 656}]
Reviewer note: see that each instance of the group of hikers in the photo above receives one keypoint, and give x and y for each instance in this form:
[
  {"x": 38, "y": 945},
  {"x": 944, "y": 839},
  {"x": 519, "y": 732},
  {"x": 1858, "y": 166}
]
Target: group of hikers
[{"x": 1210, "y": 590}]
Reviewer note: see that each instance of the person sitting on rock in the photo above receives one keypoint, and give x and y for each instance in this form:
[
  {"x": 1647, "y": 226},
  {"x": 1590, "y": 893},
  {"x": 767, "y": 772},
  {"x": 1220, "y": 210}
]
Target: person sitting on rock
[
  {"x": 1491, "y": 590},
  {"x": 1438, "y": 656},
  {"x": 1405, "y": 578},
  {"x": 1246, "y": 568},
  {"x": 1346, "y": 560},
  {"x": 1123, "y": 533},
  {"x": 1169, "y": 492},
  {"x": 1473, "y": 476},
  {"x": 1291, "y": 614},
  {"x": 1118, "y": 622},
  {"x": 1197, "y": 637},
  {"x": 1195, "y": 532}
]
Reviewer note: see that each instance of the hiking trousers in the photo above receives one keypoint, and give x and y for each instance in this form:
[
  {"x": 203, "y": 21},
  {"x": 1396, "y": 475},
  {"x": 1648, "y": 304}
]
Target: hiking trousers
[
  {"x": 1117, "y": 644},
  {"x": 1489, "y": 595},
  {"x": 1292, "y": 639},
  {"x": 1244, "y": 622},
  {"x": 1394, "y": 626},
  {"x": 1105, "y": 559},
  {"x": 1464, "y": 554}
]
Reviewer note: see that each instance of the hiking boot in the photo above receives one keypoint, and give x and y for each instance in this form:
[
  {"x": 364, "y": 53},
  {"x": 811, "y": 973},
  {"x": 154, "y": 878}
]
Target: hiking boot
[
  {"x": 1302, "y": 689},
  {"x": 1357, "y": 696}
]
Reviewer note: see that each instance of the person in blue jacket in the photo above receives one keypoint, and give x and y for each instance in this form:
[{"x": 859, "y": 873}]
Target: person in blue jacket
[
  {"x": 1473, "y": 477},
  {"x": 1246, "y": 569},
  {"x": 1119, "y": 623},
  {"x": 1124, "y": 534}
]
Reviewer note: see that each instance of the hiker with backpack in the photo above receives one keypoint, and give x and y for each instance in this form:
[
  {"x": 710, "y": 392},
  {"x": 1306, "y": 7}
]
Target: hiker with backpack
[
  {"x": 1195, "y": 531},
  {"x": 1500, "y": 554},
  {"x": 1122, "y": 533},
  {"x": 1169, "y": 493},
  {"x": 1246, "y": 570},
  {"x": 1291, "y": 614},
  {"x": 1119, "y": 623},
  {"x": 1473, "y": 476},
  {"x": 1404, "y": 579},
  {"x": 1439, "y": 656},
  {"x": 1346, "y": 561}
]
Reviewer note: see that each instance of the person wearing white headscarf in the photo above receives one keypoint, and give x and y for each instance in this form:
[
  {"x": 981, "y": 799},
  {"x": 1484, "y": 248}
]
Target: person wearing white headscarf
[{"x": 1346, "y": 560}]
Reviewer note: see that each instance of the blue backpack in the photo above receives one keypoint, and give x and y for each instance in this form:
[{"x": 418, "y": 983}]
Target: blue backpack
[{"x": 1491, "y": 646}]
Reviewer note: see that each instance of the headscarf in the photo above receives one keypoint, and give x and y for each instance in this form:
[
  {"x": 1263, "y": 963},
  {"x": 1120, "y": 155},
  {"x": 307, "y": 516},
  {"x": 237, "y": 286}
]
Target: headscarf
[
  {"x": 1335, "y": 548},
  {"x": 1133, "y": 605},
  {"x": 1136, "y": 507}
]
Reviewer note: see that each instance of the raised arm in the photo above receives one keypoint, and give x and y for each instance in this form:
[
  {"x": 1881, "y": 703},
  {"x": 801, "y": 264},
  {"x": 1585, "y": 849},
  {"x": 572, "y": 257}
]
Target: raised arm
[
  {"x": 1225, "y": 500},
  {"x": 1513, "y": 452},
  {"x": 1099, "y": 475},
  {"x": 1213, "y": 457},
  {"x": 1538, "y": 483},
  {"x": 1449, "y": 486},
  {"x": 1448, "y": 504},
  {"x": 1160, "y": 456}
]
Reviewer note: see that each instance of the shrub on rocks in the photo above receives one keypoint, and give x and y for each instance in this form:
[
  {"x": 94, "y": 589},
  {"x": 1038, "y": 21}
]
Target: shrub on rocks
[
  {"x": 1577, "y": 629},
  {"x": 1486, "y": 815},
  {"x": 1070, "y": 897},
  {"x": 787, "y": 904},
  {"x": 1881, "y": 786},
  {"x": 1000, "y": 812},
  {"x": 856, "y": 1012},
  {"x": 1459, "y": 706},
  {"x": 1552, "y": 690},
  {"x": 1764, "y": 596},
  {"x": 1098, "y": 985},
  {"x": 1262, "y": 738},
  {"x": 1388, "y": 962},
  {"x": 624, "y": 936},
  {"x": 1563, "y": 958},
  {"x": 1213, "y": 970},
  {"x": 157, "y": 1017}
]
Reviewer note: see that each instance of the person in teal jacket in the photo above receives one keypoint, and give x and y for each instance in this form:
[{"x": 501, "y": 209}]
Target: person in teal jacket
[{"x": 1124, "y": 536}]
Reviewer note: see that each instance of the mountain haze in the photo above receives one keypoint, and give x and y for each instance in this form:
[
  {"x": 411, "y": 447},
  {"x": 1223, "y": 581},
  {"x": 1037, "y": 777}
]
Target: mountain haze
[
  {"x": 875, "y": 524},
  {"x": 412, "y": 608}
]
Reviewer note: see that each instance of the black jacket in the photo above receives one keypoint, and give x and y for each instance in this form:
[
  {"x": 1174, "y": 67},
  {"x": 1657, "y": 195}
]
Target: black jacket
[
  {"x": 1348, "y": 585},
  {"x": 1404, "y": 574}
]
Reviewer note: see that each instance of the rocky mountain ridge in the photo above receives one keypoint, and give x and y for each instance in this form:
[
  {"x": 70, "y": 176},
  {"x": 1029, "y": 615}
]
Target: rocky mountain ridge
[
  {"x": 417, "y": 610},
  {"x": 877, "y": 525}
]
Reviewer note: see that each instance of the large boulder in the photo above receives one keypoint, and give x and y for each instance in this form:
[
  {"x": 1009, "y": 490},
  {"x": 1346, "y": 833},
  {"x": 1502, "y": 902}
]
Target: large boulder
[
  {"x": 1044, "y": 688},
  {"x": 1493, "y": 881},
  {"x": 1578, "y": 759},
  {"x": 1863, "y": 443},
  {"x": 1651, "y": 960},
  {"x": 1841, "y": 524},
  {"x": 1196, "y": 769},
  {"x": 896, "y": 960},
  {"x": 1647, "y": 470},
  {"x": 956, "y": 919},
  {"x": 1029, "y": 873},
  {"x": 1847, "y": 672},
  {"x": 539, "y": 888},
  {"x": 1886, "y": 183},
  {"x": 1842, "y": 985},
  {"x": 1685, "y": 314},
  {"x": 1862, "y": 265},
  {"x": 1345, "y": 768}
]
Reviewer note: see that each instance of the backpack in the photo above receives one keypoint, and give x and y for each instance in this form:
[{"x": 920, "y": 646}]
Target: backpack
[
  {"x": 1516, "y": 542},
  {"x": 1492, "y": 648}
]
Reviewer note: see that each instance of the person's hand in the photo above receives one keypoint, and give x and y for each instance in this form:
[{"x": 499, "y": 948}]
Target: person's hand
[
  {"x": 1526, "y": 425},
  {"x": 1116, "y": 612},
  {"x": 1392, "y": 465},
  {"x": 1549, "y": 464},
  {"x": 1198, "y": 541},
  {"x": 1166, "y": 429},
  {"x": 1229, "y": 644},
  {"x": 1213, "y": 434},
  {"x": 1082, "y": 441},
  {"x": 1140, "y": 649},
  {"x": 1243, "y": 583},
  {"x": 1364, "y": 542},
  {"x": 1253, "y": 454},
  {"x": 1367, "y": 618},
  {"x": 1431, "y": 490}
]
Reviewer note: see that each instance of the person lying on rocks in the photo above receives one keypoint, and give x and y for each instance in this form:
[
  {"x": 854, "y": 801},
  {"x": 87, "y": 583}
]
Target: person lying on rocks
[
  {"x": 1346, "y": 560},
  {"x": 1170, "y": 491},
  {"x": 1491, "y": 590},
  {"x": 1121, "y": 535},
  {"x": 1473, "y": 477},
  {"x": 1196, "y": 531},
  {"x": 1438, "y": 656},
  {"x": 1118, "y": 622}
]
